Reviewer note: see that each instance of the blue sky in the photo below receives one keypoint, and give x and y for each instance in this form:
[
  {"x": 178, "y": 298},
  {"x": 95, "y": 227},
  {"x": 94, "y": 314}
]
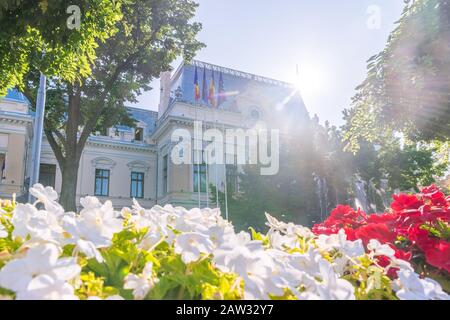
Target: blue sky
[{"x": 330, "y": 41}]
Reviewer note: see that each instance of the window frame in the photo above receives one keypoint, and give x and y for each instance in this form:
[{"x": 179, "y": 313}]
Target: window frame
[
  {"x": 203, "y": 170},
  {"x": 101, "y": 177},
  {"x": 137, "y": 180},
  {"x": 140, "y": 131},
  {"x": 165, "y": 174},
  {"x": 43, "y": 170},
  {"x": 3, "y": 171}
]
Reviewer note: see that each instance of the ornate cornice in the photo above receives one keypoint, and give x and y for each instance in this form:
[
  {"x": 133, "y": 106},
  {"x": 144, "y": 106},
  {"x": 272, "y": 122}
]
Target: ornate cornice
[
  {"x": 15, "y": 119},
  {"x": 119, "y": 145},
  {"x": 103, "y": 162}
]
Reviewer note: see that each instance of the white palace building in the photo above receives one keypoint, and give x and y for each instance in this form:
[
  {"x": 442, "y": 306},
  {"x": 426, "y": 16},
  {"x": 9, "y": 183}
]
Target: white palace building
[{"x": 126, "y": 163}]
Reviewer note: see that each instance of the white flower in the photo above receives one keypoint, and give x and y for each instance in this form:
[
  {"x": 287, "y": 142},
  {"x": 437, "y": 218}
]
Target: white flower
[
  {"x": 251, "y": 263},
  {"x": 280, "y": 242},
  {"x": 190, "y": 221},
  {"x": 331, "y": 287},
  {"x": 220, "y": 234},
  {"x": 339, "y": 242},
  {"x": 379, "y": 249},
  {"x": 191, "y": 244},
  {"x": 17, "y": 275},
  {"x": 274, "y": 224},
  {"x": 40, "y": 225},
  {"x": 43, "y": 193},
  {"x": 155, "y": 222},
  {"x": 307, "y": 262},
  {"x": 283, "y": 276},
  {"x": 94, "y": 228},
  {"x": 45, "y": 287},
  {"x": 140, "y": 284},
  {"x": 3, "y": 232},
  {"x": 99, "y": 220},
  {"x": 48, "y": 197},
  {"x": 289, "y": 229},
  {"x": 238, "y": 258},
  {"x": 347, "y": 249},
  {"x": 236, "y": 239},
  {"x": 411, "y": 287}
]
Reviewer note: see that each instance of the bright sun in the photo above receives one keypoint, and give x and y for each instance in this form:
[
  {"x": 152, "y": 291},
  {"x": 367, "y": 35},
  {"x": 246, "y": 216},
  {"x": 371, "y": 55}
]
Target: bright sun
[{"x": 310, "y": 79}]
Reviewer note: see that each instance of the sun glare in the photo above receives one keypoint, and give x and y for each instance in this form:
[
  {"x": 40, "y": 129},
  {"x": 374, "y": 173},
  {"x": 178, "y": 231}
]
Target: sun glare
[{"x": 310, "y": 79}]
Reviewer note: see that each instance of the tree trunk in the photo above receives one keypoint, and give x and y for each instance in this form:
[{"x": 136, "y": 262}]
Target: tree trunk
[{"x": 69, "y": 184}]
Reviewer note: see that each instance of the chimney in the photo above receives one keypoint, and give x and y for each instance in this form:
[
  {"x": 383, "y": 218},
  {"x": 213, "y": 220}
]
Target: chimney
[{"x": 165, "y": 92}]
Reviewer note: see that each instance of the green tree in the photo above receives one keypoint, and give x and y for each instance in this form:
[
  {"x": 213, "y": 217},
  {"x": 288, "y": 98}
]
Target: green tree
[
  {"x": 151, "y": 34},
  {"x": 412, "y": 165},
  {"x": 289, "y": 195},
  {"x": 408, "y": 83},
  {"x": 316, "y": 174},
  {"x": 28, "y": 28}
]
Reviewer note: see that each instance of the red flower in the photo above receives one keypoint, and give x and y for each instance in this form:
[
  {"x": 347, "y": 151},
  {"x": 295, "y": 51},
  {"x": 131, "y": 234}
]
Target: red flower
[
  {"x": 379, "y": 231},
  {"x": 408, "y": 214},
  {"x": 350, "y": 233},
  {"x": 388, "y": 218},
  {"x": 405, "y": 201},
  {"x": 321, "y": 229},
  {"x": 383, "y": 262},
  {"x": 421, "y": 238},
  {"x": 433, "y": 194},
  {"x": 401, "y": 254},
  {"x": 439, "y": 255},
  {"x": 345, "y": 217}
]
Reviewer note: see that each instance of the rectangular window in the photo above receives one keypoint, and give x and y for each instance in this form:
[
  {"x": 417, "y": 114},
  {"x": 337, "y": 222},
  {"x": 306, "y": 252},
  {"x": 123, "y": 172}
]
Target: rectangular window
[
  {"x": 200, "y": 172},
  {"x": 138, "y": 134},
  {"x": 47, "y": 174},
  {"x": 2, "y": 166},
  {"x": 165, "y": 166},
  {"x": 101, "y": 182},
  {"x": 137, "y": 185}
]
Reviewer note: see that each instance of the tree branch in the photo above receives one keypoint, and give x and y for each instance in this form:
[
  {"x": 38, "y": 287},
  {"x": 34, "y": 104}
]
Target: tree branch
[
  {"x": 55, "y": 147},
  {"x": 90, "y": 124},
  {"x": 27, "y": 93}
]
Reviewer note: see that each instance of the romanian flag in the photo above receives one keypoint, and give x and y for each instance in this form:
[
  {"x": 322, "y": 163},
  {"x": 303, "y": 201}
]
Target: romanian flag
[
  {"x": 204, "y": 87},
  {"x": 197, "y": 86},
  {"x": 212, "y": 91}
]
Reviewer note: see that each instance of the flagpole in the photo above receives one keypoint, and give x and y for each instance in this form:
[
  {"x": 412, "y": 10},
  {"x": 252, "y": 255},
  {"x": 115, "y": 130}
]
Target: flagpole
[
  {"x": 216, "y": 164},
  {"x": 196, "y": 105},
  {"x": 198, "y": 163},
  {"x": 207, "y": 180},
  {"x": 226, "y": 188},
  {"x": 37, "y": 134}
]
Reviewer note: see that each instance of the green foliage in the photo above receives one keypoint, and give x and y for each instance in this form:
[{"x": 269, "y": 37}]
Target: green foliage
[
  {"x": 370, "y": 282},
  {"x": 28, "y": 28},
  {"x": 288, "y": 195},
  {"x": 176, "y": 280},
  {"x": 407, "y": 84},
  {"x": 148, "y": 37},
  {"x": 319, "y": 150}
]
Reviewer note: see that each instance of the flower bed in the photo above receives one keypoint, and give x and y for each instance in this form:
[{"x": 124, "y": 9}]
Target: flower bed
[{"x": 174, "y": 253}]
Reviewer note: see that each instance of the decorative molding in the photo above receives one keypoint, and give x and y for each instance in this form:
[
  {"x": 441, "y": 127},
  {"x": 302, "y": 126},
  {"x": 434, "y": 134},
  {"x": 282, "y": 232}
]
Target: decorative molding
[
  {"x": 120, "y": 145},
  {"x": 140, "y": 166},
  {"x": 23, "y": 121},
  {"x": 103, "y": 163},
  {"x": 241, "y": 74}
]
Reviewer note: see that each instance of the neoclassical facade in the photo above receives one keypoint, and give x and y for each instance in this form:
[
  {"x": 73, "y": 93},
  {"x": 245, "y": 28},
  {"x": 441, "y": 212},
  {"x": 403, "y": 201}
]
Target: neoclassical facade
[{"x": 125, "y": 163}]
